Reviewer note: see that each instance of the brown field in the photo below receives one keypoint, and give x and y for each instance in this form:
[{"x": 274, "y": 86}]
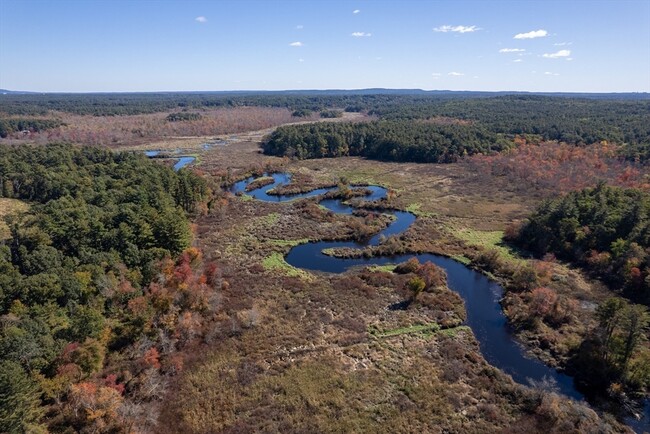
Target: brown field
[
  {"x": 134, "y": 130},
  {"x": 309, "y": 352},
  {"x": 153, "y": 131}
]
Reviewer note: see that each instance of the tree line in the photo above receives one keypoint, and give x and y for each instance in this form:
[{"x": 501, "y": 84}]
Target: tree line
[
  {"x": 13, "y": 125},
  {"x": 384, "y": 140}
]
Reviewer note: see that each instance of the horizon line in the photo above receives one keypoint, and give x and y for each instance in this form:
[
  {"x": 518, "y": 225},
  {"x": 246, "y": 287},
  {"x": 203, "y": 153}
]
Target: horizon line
[{"x": 384, "y": 89}]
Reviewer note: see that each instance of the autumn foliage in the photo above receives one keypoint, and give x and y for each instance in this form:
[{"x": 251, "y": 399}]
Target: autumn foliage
[
  {"x": 94, "y": 406},
  {"x": 154, "y": 323},
  {"x": 560, "y": 168}
]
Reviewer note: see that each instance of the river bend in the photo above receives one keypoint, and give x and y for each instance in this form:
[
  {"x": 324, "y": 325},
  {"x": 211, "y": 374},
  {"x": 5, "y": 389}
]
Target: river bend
[{"x": 481, "y": 295}]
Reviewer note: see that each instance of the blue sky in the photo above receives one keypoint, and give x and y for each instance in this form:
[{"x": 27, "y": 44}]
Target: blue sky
[{"x": 128, "y": 45}]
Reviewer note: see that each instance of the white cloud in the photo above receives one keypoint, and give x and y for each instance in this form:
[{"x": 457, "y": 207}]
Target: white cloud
[
  {"x": 456, "y": 74},
  {"x": 511, "y": 50},
  {"x": 296, "y": 44},
  {"x": 562, "y": 44},
  {"x": 531, "y": 35},
  {"x": 518, "y": 60},
  {"x": 457, "y": 29},
  {"x": 569, "y": 58},
  {"x": 356, "y": 11},
  {"x": 361, "y": 34},
  {"x": 436, "y": 75},
  {"x": 300, "y": 27},
  {"x": 554, "y": 74},
  {"x": 301, "y": 60},
  {"x": 561, "y": 53},
  {"x": 201, "y": 19}
]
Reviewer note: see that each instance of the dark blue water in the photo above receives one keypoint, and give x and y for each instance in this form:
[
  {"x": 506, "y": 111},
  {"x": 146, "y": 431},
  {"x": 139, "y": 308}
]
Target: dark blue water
[
  {"x": 279, "y": 179},
  {"x": 481, "y": 295}
]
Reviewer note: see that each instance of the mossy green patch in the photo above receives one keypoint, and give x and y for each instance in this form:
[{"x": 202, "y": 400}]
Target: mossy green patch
[
  {"x": 426, "y": 330},
  {"x": 490, "y": 240},
  {"x": 275, "y": 262},
  {"x": 270, "y": 219},
  {"x": 462, "y": 259},
  {"x": 386, "y": 268},
  {"x": 416, "y": 208},
  {"x": 263, "y": 223},
  {"x": 288, "y": 243},
  {"x": 419, "y": 328},
  {"x": 453, "y": 331}
]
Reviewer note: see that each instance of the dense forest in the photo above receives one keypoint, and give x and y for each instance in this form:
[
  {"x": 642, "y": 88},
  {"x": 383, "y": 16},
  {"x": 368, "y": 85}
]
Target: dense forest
[
  {"x": 395, "y": 103},
  {"x": 139, "y": 103},
  {"x": 575, "y": 121},
  {"x": 605, "y": 229},
  {"x": 13, "y": 125},
  {"x": 88, "y": 273},
  {"x": 384, "y": 140},
  {"x": 479, "y": 120}
]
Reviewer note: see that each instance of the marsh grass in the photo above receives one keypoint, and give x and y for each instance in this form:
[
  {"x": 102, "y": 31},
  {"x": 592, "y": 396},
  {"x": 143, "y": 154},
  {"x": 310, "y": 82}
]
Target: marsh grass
[
  {"x": 275, "y": 262},
  {"x": 419, "y": 328},
  {"x": 490, "y": 240}
]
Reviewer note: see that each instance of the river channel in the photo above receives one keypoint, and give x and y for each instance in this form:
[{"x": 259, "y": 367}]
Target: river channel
[{"x": 481, "y": 295}]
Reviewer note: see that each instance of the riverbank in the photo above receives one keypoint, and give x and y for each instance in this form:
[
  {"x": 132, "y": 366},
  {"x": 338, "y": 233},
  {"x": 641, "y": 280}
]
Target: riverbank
[
  {"x": 462, "y": 214},
  {"x": 315, "y": 342}
]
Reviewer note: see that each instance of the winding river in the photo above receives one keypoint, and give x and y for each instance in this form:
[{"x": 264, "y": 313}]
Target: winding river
[{"x": 481, "y": 295}]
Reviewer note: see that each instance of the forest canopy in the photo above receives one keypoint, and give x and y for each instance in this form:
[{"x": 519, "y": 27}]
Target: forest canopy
[
  {"x": 98, "y": 226},
  {"x": 383, "y": 140},
  {"x": 606, "y": 229},
  {"x": 10, "y": 126}
]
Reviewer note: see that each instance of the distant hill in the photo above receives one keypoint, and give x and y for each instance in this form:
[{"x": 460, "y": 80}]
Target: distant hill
[
  {"x": 350, "y": 92},
  {"x": 15, "y": 92},
  {"x": 416, "y": 92}
]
